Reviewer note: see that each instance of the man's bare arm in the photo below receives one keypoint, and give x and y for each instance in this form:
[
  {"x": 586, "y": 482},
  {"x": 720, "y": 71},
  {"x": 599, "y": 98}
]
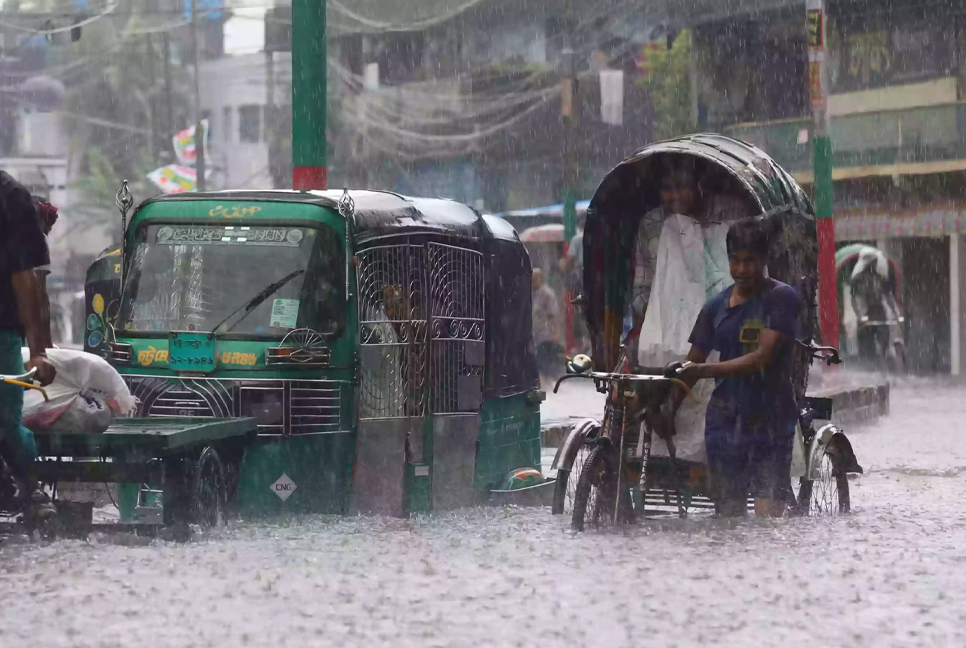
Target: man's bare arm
[
  {"x": 44, "y": 299},
  {"x": 26, "y": 289}
]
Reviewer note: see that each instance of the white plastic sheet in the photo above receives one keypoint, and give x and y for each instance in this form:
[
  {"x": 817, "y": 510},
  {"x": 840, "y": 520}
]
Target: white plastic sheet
[{"x": 692, "y": 266}]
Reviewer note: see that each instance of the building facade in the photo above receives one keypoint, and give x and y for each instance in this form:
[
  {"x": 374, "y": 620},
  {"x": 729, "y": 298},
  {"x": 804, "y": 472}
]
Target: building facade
[{"x": 897, "y": 128}]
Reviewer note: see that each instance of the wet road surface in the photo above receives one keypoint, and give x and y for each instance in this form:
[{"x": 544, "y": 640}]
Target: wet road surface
[{"x": 891, "y": 574}]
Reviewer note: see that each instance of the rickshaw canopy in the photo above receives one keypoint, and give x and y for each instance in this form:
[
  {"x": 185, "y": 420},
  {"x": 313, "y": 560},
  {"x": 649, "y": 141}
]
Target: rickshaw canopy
[{"x": 724, "y": 167}]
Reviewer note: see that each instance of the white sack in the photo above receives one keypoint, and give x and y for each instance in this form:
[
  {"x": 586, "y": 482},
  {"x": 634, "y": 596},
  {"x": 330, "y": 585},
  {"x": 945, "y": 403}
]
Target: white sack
[
  {"x": 79, "y": 374},
  {"x": 84, "y": 415}
]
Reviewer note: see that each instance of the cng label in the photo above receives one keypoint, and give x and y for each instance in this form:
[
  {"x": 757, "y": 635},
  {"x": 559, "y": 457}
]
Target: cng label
[{"x": 283, "y": 487}]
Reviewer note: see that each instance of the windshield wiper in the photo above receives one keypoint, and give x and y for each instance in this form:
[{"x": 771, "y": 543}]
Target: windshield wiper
[{"x": 256, "y": 301}]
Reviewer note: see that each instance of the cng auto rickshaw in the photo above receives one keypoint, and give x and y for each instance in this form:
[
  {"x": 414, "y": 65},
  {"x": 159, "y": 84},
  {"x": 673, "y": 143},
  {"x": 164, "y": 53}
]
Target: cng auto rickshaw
[
  {"x": 607, "y": 470},
  {"x": 381, "y": 344}
]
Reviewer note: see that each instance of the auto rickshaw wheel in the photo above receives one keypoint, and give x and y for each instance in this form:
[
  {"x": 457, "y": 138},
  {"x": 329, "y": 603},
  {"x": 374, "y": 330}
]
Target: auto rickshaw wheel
[
  {"x": 596, "y": 494},
  {"x": 828, "y": 494},
  {"x": 209, "y": 490}
]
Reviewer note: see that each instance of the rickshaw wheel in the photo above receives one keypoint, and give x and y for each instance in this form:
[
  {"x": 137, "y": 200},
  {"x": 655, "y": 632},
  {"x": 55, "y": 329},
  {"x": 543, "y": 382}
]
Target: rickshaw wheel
[
  {"x": 565, "y": 489},
  {"x": 594, "y": 498},
  {"x": 829, "y": 493},
  {"x": 209, "y": 490}
]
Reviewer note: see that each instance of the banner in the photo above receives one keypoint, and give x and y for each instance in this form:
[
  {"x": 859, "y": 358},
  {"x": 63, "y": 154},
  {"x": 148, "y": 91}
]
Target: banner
[
  {"x": 184, "y": 144},
  {"x": 612, "y": 97},
  {"x": 174, "y": 178}
]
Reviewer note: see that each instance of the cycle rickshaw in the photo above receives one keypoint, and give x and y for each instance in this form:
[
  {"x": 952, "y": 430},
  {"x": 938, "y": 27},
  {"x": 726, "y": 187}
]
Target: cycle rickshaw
[{"x": 608, "y": 471}]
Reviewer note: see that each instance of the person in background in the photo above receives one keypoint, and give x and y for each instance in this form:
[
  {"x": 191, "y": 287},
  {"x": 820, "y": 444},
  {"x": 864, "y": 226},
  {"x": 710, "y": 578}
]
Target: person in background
[
  {"x": 572, "y": 266},
  {"x": 546, "y": 325},
  {"x": 23, "y": 249}
]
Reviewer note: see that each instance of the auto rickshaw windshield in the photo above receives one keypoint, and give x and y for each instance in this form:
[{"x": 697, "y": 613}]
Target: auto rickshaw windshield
[{"x": 192, "y": 277}]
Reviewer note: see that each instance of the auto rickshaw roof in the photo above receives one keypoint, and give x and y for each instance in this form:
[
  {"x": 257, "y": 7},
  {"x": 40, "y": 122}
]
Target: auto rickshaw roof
[
  {"x": 103, "y": 267},
  {"x": 376, "y": 214}
]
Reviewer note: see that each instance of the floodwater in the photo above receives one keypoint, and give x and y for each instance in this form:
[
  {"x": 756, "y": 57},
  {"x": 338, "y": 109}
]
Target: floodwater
[{"x": 891, "y": 574}]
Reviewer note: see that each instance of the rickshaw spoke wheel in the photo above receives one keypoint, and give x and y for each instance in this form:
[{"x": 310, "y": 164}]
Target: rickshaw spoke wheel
[
  {"x": 829, "y": 493},
  {"x": 209, "y": 490},
  {"x": 594, "y": 498},
  {"x": 824, "y": 491},
  {"x": 567, "y": 481},
  {"x": 579, "y": 462}
]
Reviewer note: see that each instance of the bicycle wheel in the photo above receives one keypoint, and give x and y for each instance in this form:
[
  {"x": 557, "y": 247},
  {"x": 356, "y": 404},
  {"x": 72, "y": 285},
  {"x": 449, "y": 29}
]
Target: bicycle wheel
[
  {"x": 596, "y": 493},
  {"x": 829, "y": 493}
]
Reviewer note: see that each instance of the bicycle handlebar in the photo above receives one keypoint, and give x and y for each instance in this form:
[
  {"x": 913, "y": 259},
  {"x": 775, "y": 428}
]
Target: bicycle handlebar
[
  {"x": 25, "y": 381},
  {"x": 830, "y": 355},
  {"x": 659, "y": 375}
]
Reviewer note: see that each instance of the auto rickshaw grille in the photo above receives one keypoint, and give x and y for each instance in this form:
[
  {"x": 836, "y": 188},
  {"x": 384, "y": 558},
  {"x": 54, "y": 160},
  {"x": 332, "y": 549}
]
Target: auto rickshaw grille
[{"x": 281, "y": 407}]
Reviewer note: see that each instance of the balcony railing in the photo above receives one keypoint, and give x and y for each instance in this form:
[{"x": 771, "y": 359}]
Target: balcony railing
[{"x": 889, "y": 137}]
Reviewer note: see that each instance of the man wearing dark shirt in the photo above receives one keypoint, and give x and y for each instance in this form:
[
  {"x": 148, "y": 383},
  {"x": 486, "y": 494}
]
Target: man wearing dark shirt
[
  {"x": 23, "y": 248},
  {"x": 750, "y": 422}
]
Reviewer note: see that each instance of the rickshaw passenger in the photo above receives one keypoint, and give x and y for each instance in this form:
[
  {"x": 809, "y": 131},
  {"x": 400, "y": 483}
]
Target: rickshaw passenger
[
  {"x": 750, "y": 421},
  {"x": 681, "y": 194}
]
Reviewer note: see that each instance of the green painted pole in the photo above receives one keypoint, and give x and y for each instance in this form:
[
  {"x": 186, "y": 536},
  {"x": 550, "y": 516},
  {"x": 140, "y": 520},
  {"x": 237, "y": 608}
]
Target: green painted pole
[
  {"x": 569, "y": 111},
  {"x": 822, "y": 183},
  {"x": 309, "y": 78}
]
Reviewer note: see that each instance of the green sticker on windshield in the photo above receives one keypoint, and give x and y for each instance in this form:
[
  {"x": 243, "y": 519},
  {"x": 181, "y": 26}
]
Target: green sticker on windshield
[
  {"x": 191, "y": 352},
  {"x": 285, "y": 313}
]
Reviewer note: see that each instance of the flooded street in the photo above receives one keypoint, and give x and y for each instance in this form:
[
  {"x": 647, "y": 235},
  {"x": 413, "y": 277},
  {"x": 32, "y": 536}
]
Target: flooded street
[{"x": 890, "y": 574}]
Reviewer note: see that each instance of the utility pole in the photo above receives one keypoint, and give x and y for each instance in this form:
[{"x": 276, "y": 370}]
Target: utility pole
[
  {"x": 151, "y": 99},
  {"x": 270, "y": 117},
  {"x": 200, "y": 184},
  {"x": 569, "y": 112},
  {"x": 168, "y": 101},
  {"x": 822, "y": 184},
  {"x": 309, "y": 76}
]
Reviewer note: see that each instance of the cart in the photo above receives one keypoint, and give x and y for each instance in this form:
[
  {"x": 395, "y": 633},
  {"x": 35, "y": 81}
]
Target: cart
[{"x": 192, "y": 462}]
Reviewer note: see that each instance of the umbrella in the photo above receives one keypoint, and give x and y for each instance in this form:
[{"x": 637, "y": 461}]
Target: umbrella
[{"x": 552, "y": 233}]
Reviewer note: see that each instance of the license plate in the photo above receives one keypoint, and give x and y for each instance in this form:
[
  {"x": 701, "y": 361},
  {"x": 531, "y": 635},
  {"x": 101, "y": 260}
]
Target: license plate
[{"x": 191, "y": 352}]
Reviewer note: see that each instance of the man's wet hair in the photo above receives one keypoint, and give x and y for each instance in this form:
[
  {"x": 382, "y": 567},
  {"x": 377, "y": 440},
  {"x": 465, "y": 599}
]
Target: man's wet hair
[{"x": 748, "y": 235}]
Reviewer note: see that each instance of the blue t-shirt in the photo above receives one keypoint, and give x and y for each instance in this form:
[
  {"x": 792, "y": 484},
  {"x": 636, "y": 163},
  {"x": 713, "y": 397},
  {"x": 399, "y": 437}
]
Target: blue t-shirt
[{"x": 734, "y": 332}]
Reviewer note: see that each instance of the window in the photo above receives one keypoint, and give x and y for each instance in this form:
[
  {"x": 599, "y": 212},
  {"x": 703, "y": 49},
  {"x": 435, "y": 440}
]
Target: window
[
  {"x": 177, "y": 280},
  {"x": 250, "y": 124},
  {"x": 226, "y": 127}
]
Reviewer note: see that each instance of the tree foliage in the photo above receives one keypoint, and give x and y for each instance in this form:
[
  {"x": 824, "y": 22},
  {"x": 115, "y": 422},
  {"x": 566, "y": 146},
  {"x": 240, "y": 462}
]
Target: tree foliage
[
  {"x": 668, "y": 87},
  {"x": 118, "y": 106}
]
